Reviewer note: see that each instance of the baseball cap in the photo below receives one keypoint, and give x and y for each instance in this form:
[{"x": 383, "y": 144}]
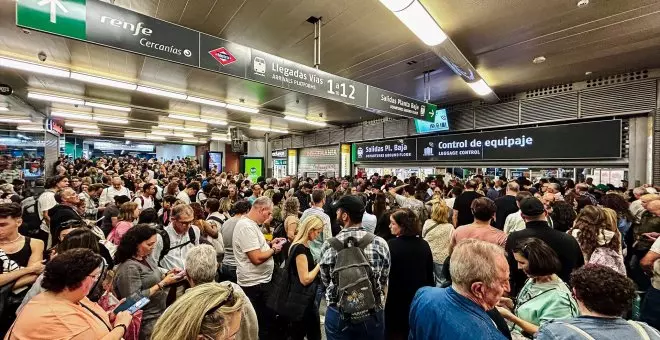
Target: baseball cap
[
  {"x": 531, "y": 206},
  {"x": 351, "y": 204}
]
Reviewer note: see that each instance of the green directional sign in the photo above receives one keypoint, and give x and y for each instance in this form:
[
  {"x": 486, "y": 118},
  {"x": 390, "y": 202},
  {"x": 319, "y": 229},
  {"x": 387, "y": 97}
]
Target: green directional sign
[{"x": 61, "y": 17}]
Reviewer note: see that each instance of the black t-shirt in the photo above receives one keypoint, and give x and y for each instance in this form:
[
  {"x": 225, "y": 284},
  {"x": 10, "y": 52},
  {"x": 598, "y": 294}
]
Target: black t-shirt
[
  {"x": 300, "y": 249},
  {"x": 506, "y": 205},
  {"x": 463, "y": 204}
]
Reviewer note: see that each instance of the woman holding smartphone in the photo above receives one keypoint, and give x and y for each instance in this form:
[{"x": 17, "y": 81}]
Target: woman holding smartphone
[{"x": 138, "y": 276}]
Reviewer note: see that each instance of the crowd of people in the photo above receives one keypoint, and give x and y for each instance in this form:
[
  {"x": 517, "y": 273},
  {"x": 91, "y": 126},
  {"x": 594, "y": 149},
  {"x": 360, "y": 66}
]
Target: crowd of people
[{"x": 144, "y": 249}]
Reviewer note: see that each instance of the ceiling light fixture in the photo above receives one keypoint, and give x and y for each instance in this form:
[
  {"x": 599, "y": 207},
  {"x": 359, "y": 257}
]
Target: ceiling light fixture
[
  {"x": 162, "y": 133},
  {"x": 194, "y": 141},
  {"x": 588, "y": 73},
  {"x": 15, "y": 120},
  {"x": 183, "y": 117},
  {"x": 306, "y": 121},
  {"x": 582, "y": 3},
  {"x": 55, "y": 99},
  {"x": 539, "y": 60},
  {"x": 261, "y": 128},
  {"x": 32, "y": 67},
  {"x": 170, "y": 126},
  {"x": 194, "y": 129},
  {"x": 80, "y": 125},
  {"x": 72, "y": 115},
  {"x": 110, "y": 120},
  {"x": 108, "y": 106},
  {"x": 242, "y": 108},
  {"x": 183, "y": 135},
  {"x": 206, "y": 101},
  {"x": 212, "y": 121},
  {"x": 160, "y": 92},
  {"x": 413, "y": 14},
  {"x": 103, "y": 81},
  {"x": 219, "y": 137},
  {"x": 4, "y": 107},
  {"x": 38, "y": 128},
  {"x": 480, "y": 87},
  {"x": 88, "y": 132},
  {"x": 155, "y": 137}
]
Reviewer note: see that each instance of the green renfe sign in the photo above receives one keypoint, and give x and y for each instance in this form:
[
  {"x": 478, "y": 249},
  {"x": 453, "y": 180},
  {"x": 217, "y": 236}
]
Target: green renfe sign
[{"x": 61, "y": 17}]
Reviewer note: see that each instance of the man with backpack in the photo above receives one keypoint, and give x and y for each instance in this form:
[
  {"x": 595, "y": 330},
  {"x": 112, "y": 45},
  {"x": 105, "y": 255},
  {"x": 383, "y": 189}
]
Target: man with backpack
[
  {"x": 355, "y": 267},
  {"x": 176, "y": 239}
]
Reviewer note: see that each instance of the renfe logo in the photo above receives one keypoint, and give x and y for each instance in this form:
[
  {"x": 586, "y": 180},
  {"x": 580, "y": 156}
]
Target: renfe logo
[{"x": 135, "y": 29}]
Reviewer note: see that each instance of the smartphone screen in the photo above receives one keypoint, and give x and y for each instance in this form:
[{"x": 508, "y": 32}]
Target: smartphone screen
[
  {"x": 138, "y": 305},
  {"x": 124, "y": 305}
]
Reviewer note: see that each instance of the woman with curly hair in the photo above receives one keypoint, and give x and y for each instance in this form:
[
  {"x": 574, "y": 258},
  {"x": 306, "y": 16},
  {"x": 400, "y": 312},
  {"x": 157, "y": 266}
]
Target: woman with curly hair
[
  {"x": 599, "y": 238},
  {"x": 138, "y": 276},
  {"x": 563, "y": 215}
]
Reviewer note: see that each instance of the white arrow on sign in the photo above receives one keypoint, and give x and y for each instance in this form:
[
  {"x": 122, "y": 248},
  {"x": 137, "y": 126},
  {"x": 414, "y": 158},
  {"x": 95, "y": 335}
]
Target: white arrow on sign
[{"x": 54, "y": 4}]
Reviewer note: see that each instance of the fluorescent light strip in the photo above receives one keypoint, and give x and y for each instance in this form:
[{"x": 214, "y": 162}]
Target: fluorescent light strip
[
  {"x": 4, "y": 108},
  {"x": 480, "y": 87},
  {"x": 110, "y": 120},
  {"x": 183, "y": 117},
  {"x": 170, "y": 127},
  {"x": 220, "y": 138},
  {"x": 103, "y": 81},
  {"x": 30, "y": 128},
  {"x": 87, "y": 132},
  {"x": 71, "y": 115},
  {"x": 162, "y": 133},
  {"x": 32, "y": 67},
  {"x": 108, "y": 106},
  {"x": 15, "y": 120},
  {"x": 55, "y": 99},
  {"x": 195, "y": 129},
  {"x": 154, "y": 137},
  {"x": 242, "y": 108},
  {"x": 160, "y": 92},
  {"x": 183, "y": 135},
  {"x": 80, "y": 125},
  {"x": 306, "y": 121},
  {"x": 206, "y": 101},
  {"x": 260, "y": 128},
  {"x": 212, "y": 121},
  {"x": 418, "y": 20}
]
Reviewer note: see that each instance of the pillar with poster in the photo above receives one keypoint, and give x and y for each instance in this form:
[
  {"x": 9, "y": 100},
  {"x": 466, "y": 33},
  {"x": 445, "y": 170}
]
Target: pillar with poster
[{"x": 279, "y": 163}]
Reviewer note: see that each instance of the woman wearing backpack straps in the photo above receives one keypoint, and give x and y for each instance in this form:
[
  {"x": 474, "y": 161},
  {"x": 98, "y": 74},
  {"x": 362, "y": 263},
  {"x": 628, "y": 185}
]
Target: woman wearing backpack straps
[
  {"x": 412, "y": 268},
  {"x": 437, "y": 232}
]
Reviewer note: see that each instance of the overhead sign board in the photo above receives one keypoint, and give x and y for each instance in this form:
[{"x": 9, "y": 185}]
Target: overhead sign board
[
  {"x": 568, "y": 141},
  {"x": 390, "y": 150},
  {"x": 101, "y": 23}
]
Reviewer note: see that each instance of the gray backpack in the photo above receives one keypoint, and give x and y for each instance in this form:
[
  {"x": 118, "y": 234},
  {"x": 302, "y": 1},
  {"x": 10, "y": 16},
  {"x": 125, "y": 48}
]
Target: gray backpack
[{"x": 358, "y": 297}]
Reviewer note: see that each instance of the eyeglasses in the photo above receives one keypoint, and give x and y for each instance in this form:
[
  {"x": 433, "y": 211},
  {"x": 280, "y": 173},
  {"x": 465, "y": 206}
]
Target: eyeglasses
[{"x": 229, "y": 299}]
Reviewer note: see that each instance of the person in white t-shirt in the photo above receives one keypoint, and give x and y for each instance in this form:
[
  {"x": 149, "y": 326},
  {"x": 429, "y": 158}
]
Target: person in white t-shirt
[
  {"x": 47, "y": 199},
  {"x": 254, "y": 260},
  {"x": 191, "y": 189},
  {"x": 109, "y": 193},
  {"x": 146, "y": 199}
]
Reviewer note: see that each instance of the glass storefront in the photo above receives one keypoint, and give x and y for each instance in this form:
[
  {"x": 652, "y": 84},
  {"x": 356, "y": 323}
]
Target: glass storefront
[{"x": 21, "y": 155}]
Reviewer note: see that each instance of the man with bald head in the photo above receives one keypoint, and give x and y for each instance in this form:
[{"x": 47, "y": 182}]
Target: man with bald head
[{"x": 506, "y": 205}]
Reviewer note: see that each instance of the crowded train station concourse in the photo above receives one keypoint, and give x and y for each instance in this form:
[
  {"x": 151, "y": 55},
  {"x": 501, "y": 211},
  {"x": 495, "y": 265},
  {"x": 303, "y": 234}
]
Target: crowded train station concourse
[{"x": 307, "y": 169}]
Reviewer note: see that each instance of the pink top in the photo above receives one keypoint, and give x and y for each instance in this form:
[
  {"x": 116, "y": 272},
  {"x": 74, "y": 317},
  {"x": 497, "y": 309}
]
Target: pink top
[
  {"x": 484, "y": 233},
  {"x": 118, "y": 232}
]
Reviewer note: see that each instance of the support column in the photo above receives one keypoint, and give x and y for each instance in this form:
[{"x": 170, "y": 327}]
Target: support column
[
  {"x": 51, "y": 152},
  {"x": 638, "y": 139},
  {"x": 268, "y": 157}
]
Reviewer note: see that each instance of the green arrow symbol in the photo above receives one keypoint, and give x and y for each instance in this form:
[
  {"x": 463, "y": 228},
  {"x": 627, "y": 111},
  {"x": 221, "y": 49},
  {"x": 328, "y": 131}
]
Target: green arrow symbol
[{"x": 54, "y": 5}]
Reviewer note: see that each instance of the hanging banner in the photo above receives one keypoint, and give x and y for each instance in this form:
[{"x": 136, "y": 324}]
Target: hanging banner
[{"x": 116, "y": 27}]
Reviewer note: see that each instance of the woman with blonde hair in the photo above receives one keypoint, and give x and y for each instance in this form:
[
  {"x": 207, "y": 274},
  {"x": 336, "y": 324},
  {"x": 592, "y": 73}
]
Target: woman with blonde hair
[
  {"x": 597, "y": 234},
  {"x": 303, "y": 278},
  {"x": 437, "y": 232},
  {"x": 211, "y": 311},
  {"x": 291, "y": 220},
  {"x": 128, "y": 213}
]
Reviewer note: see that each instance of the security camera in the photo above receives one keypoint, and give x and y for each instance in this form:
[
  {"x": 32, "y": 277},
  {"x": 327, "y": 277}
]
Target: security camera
[{"x": 42, "y": 56}]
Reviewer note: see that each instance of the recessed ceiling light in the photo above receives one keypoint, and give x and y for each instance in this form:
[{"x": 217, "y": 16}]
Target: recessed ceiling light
[
  {"x": 538, "y": 60},
  {"x": 582, "y": 3},
  {"x": 587, "y": 73}
]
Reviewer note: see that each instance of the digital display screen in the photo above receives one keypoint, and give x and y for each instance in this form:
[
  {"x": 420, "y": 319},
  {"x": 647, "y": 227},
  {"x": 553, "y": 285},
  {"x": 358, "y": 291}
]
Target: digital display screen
[{"x": 439, "y": 124}]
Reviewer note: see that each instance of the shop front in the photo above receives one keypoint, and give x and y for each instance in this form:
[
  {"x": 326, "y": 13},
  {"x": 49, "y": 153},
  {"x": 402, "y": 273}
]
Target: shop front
[
  {"x": 319, "y": 161},
  {"x": 569, "y": 151}
]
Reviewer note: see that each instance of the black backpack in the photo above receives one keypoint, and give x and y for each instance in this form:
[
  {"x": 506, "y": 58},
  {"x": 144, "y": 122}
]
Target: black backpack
[
  {"x": 192, "y": 238},
  {"x": 358, "y": 297},
  {"x": 31, "y": 220}
]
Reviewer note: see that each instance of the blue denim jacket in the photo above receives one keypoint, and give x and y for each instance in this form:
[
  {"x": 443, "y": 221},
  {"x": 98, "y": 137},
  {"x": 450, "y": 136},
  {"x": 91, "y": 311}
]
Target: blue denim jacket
[
  {"x": 443, "y": 314},
  {"x": 597, "y": 328}
]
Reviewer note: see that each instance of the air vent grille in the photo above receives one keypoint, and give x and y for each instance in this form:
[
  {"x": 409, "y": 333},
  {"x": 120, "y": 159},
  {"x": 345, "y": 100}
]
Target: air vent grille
[
  {"x": 286, "y": 143},
  {"x": 371, "y": 132},
  {"x": 276, "y": 144},
  {"x": 619, "y": 99},
  {"x": 323, "y": 138},
  {"x": 309, "y": 140},
  {"x": 297, "y": 142},
  {"x": 353, "y": 134},
  {"x": 496, "y": 115},
  {"x": 551, "y": 108},
  {"x": 396, "y": 128},
  {"x": 618, "y": 78},
  {"x": 550, "y": 90},
  {"x": 461, "y": 119},
  {"x": 336, "y": 136}
]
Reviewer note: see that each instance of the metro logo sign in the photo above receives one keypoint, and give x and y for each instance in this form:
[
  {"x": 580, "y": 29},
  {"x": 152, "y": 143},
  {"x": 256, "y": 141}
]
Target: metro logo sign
[
  {"x": 62, "y": 17},
  {"x": 223, "y": 56}
]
